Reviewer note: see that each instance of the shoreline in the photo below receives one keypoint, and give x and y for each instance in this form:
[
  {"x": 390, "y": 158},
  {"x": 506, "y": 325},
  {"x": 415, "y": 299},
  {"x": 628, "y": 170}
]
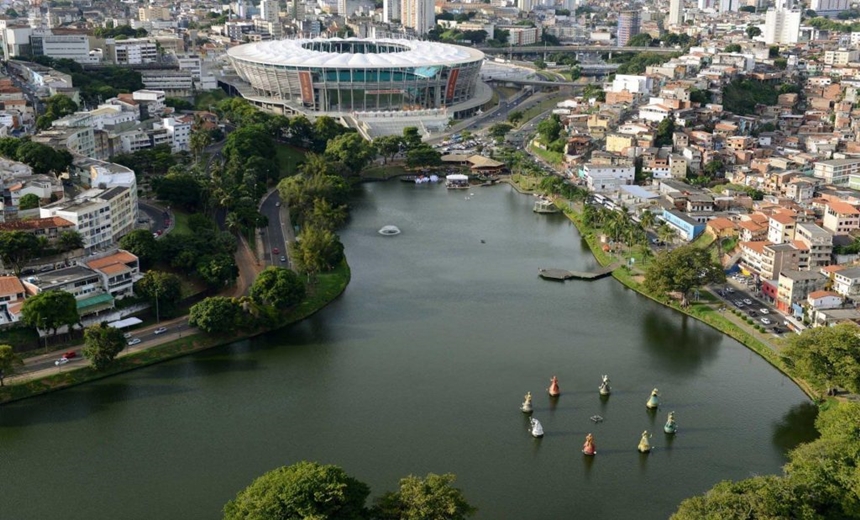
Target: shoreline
[
  {"x": 741, "y": 336},
  {"x": 191, "y": 344}
]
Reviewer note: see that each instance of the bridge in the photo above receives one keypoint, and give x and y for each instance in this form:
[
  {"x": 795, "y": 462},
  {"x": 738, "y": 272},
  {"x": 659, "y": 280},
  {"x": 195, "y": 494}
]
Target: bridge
[
  {"x": 534, "y": 82},
  {"x": 574, "y": 48}
]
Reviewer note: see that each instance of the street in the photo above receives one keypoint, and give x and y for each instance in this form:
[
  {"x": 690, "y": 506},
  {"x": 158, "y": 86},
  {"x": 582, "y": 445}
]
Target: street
[{"x": 274, "y": 234}]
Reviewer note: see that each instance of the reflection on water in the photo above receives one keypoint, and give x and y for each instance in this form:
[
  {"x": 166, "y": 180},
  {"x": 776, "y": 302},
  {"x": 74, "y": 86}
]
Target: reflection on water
[
  {"x": 796, "y": 427},
  {"x": 682, "y": 347}
]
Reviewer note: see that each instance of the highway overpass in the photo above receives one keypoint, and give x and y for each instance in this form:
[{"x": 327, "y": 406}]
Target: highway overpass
[{"x": 574, "y": 48}]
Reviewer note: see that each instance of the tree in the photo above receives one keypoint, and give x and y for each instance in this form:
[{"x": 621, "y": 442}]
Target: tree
[
  {"x": 217, "y": 314},
  {"x": 432, "y": 497},
  {"x": 640, "y": 40},
  {"x": 57, "y": 106},
  {"x": 142, "y": 244},
  {"x": 304, "y": 490},
  {"x": 753, "y": 31},
  {"x": 713, "y": 168},
  {"x": 780, "y": 63},
  {"x": 423, "y": 155},
  {"x": 163, "y": 290},
  {"x": 411, "y": 137},
  {"x": 549, "y": 129},
  {"x": 758, "y": 497},
  {"x": 198, "y": 142},
  {"x": 827, "y": 357},
  {"x": 69, "y": 241},
  {"x": 773, "y": 51},
  {"x": 180, "y": 189},
  {"x": 499, "y": 130},
  {"x": 50, "y": 310},
  {"x": 29, "y": 201},
  {"x": 102, "y": 344},
  {"x": 278, "y": 287},
  {"x": 682, "y": 270},
  {"x": 218, "y": 270},
  {"x": 17, "y": 248},
  {"x": 665, "y": 130},
  {"x": 352, "y": 150},
  {"x": 317, "y": 250},
  {"x": 734, "y": 47},
  {"x": 515, "y": 117},
  {"x": 9, "y": 362},
  {"x": 388, "y": 146}
]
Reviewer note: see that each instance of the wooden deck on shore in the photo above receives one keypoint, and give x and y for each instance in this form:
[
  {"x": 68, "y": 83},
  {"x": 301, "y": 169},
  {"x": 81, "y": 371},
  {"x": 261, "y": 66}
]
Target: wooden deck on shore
[{"x": 561, "y": 274}]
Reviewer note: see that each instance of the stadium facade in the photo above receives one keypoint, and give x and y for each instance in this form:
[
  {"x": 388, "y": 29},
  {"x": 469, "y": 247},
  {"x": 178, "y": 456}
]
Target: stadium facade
[{"x": 342, "y": 76}]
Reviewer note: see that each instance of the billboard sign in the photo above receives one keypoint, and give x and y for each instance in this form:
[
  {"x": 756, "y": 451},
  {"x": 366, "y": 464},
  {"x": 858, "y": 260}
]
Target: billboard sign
[
  {"x": 307, "y": 87},
  {"x": 452, "y": 84}
]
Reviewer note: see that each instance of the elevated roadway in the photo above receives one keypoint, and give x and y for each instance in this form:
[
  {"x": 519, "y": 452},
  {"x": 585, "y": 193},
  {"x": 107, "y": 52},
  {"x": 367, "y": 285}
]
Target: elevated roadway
[{"x": 574, "y": 48}]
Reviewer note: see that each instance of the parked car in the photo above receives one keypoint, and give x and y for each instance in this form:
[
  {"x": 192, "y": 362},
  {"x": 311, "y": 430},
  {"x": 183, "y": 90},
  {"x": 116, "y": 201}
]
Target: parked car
[
  {"x": 764, "y": 310},
  {"x": 752, "y": 313},
  {"x": 133, "y": 341},
  {"x": 160, "y": 330},
  {"x": 747, "y": 301},
  {"x": 61, "y": 361},
  {"x": 778, "y": 330},
  {"x": 70, "y": 354},
  {"x": 276, "y": 251},
  {"x": 127, "y": 335},
  {"x": 283, "y": 258},
  {"x": 766, "y": 321},
  {"x": 729, "y": 290},
  {"x": 738, "y": 304}
]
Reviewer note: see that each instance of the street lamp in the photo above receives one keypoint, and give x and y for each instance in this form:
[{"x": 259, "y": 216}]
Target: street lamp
[{"x": 157, "y": 318}]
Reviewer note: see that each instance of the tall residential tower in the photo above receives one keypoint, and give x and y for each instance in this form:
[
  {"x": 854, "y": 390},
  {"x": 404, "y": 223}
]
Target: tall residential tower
[{"x": 628, "y": 26}]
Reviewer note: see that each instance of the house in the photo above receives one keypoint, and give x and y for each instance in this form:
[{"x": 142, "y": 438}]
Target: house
[
  {"x": 11, "y": 299},
  {"x": 82, "y": 282},
  {"x": 824, "y": 300},
  {"x": 841, "y": 218},
  {"x": 847, "y": 282},
  {"x": 50, "y": 227},
  {"x": 687, "y": 227},
  {"x": 794, "y": 287},
  {"x": 118, "y": 272},
  {"x": 752, "y": 231},
  {"x": 828, "y": 317},
  {"x": 752, "y": 253},
  {"x": 722, "y": 227},
  {"x": 780, "y": 227}
]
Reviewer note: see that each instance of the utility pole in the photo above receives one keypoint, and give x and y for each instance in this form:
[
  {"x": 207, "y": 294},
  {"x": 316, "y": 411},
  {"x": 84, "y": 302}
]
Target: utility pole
[{"x": 157, "y": 318}]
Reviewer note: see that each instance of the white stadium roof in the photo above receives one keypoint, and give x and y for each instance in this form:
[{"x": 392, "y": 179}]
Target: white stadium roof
[{"x": 291, "y": 52}]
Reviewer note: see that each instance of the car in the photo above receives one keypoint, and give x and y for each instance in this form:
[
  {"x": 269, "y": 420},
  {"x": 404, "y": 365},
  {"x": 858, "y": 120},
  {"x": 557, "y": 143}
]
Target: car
[
  {"x": 127, "y": 335},
  {"x": 766, "y": 321},
  {"x": 61, "y": 361},
  {"x": 778, "y": 330},
  {"x": 159, "y": 232},
  {"x": 747, "y": 301},
  {"x": 739, "y": 304},
  {"x": 283, "y": 258},
  {"x": 70, "y": 354},
  {"x": 160, "y": 330},
  {"x": 155, "y": 235},
  {"x": 133, "y": 341},
  {"x": 764, "y": 310},
  {"x": 276, "y": 251},
  {"x": 729, "y": 290},
  {"x": 752, "y": 313}
]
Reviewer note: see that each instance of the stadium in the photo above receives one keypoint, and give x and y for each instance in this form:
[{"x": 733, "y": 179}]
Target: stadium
[{"x": 348, "y": 76}]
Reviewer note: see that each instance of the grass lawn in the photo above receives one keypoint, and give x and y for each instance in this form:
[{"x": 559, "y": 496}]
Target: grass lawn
[
  {"x": 288, "y": 159},
  {"x": 540, "y": 108},
  {"x": 180, "y": 224},
  {"x": 383, "y": 171},
  {"x": 546, "y": 155},
  {"x": 704, "y": 241}
]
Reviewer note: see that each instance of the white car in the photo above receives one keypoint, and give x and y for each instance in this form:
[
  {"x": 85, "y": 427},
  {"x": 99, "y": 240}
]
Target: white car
[
  {"x": 766, "y": 321},
  {"x": 747, "y": 301},
  {"x": 133, "y": 341},
  {"x": 127, "y": 335},
  {"x": 61, "y": 361},
  {"x": 160, "y": 330},
  {"x": 729, "y": 290},
  {"x": 764, "y": 310}
]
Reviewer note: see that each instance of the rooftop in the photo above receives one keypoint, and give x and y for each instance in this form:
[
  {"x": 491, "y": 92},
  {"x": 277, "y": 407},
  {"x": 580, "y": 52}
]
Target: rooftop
[
  {"x": 36, "y": 223},
  {"x": 10, "y": 285}
]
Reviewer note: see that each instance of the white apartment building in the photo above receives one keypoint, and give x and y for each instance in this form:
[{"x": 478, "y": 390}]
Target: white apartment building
[
  {"x": 676, "y": 12},
  {"x": 847, "y": 282},
  {"x": 390, "y": 10},
  {"x": 76, "y": 139},
  {"x": 173, "y": 82},
  {"x": 781, "y": 227},
  {"x": 135, "y": 51},
  {"x": 90, "y": 215},
  {"x": 118, "y": 271},
  {"x": 148, "y": 14},
  {"x": 841, "y": 218},
  {"x": 523, "y": 35},
  {"x": 601, "y": 177},
  {"x": 632, "y": 84},
  {"x": 133, "y": 141},
  {"x": 655, "y": 113},
  {"x": 836, "y": 171},
  {"x": 179, "y": 131},
  {"x": 841, "y": 57},
  {"x": 819, "y": 242},
  {"x": 66, "y": 46},
  {"x": 782, "y": 27},
  {"x": 418, "y": 15},
  {"x": 829, "y": 6}
]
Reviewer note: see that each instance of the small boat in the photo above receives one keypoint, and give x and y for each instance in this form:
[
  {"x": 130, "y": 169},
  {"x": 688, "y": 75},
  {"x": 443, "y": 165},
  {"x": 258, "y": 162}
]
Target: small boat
[
  {"x": 589, "y": 448},
  {"x": 535, "y": 428},
  {"x": 457, "y": 181},
  {"x": 596, "y": 418},
  {"x": 653, "y": 403},
  {"x": 408, "y": 178}
]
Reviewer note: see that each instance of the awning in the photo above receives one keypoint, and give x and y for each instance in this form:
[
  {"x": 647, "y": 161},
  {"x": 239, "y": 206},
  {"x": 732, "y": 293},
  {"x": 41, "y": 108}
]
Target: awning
[
  {"x": 128, "y": 322},
  {"x": 93, "y": 301}
]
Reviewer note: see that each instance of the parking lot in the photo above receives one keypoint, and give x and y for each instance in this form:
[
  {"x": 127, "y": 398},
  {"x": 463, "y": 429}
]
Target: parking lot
[{"x": 740, "y": 292}]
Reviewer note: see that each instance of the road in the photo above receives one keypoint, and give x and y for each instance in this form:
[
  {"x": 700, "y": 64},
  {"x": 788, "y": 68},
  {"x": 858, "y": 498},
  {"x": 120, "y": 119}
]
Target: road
[
  {"x": 274, "y": 235},
  {"x": 155, "y": 217},
  {"x": 736, "y": 294}
]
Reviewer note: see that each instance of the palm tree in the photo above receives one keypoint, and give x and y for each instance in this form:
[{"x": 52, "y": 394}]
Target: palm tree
[
  {"x": 647, "y": 219},
  {"x": 665, "y": 233}
]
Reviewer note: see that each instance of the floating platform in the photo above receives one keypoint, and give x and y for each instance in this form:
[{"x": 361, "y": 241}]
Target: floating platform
[{"x": 561, "y": 274}]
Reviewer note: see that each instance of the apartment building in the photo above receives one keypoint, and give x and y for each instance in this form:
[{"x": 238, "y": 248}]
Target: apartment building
[
  {"x": 76, "y": 139},
  {"x": 781, "y": 227},
  {"x": 90, "y": 215},
  {"x": 81, "y": 282},
  {"x": 171, "y": 82},
  {"x": 818, "y": 241},
  {"x": 118, "y": 272},
  {"x": 50, "y": 227},
  {"x": 841, "y": 57},
  {"x": 847, "y": 282},
  {"x": 134, "y": 51},
  {"x": 179, "y": 132},
  {"x": 778, "y": 257},
  {"x": 836, "y": 171},
  {"x": 600, "y": 177},
  {"x": 794, "y": 286},
  {"x": 841, "y": 218}
]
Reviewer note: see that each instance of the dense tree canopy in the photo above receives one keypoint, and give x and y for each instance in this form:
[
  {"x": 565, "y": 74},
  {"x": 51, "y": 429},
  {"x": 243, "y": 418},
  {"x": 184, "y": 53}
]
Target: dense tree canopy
[
  {"x": 102, "y": 344},
  {"x": 827, "y": 357},
  {"x": 28, "y": 201},
  {"x": 742, "y": 95},
  {"x": 41, "y": 157},
  {"x": 278, "y": 287},
  {"x": 351, "y": 150},
  {"x": 682, "y": 270},
  {"x": 142, "y": 244},
  {"x": 17, "y": 248},
  {"x": 50, "y": 310},
  {"x": 218, "y": 314},
  {"x": 318, "y": 250},
  {"x": 432, "y": 497},
  {"x": 423, "y": 155},
  {"x": 305, "y": 490},
  {"x": 9, "y": 362},
  {"x": 163, "y": 290}
]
